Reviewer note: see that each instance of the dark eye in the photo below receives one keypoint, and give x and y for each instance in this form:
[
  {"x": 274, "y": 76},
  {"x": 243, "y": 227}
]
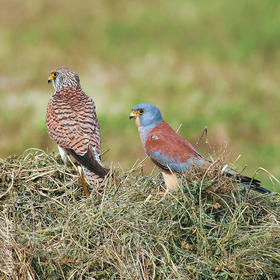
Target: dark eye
[
  {"x": 55, "y": 74},
  {"x": 141, "y": 111}
]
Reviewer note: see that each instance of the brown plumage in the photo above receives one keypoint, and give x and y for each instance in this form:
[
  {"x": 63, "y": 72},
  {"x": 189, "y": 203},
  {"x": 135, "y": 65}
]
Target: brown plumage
[{"x": 72, "y": 123}]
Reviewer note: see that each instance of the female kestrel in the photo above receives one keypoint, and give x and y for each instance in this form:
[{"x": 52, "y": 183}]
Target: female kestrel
[
  {"x": 72, "y": 123},
  {"x": 171, "y": 152}
]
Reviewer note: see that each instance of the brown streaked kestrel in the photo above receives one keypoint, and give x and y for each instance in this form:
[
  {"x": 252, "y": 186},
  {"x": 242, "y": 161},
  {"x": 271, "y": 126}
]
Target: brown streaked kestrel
[{"x": 72, "y": 123}]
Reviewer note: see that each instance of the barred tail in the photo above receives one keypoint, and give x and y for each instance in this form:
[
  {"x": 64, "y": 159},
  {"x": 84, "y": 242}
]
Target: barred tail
[{"x": 92, "y": 178}]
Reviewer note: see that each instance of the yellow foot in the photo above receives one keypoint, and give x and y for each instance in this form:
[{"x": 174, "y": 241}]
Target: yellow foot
[
  {"x": 163, "y": 194},
  {"x": 83, "y": 182},
  {"x": 160, "y": 193}
]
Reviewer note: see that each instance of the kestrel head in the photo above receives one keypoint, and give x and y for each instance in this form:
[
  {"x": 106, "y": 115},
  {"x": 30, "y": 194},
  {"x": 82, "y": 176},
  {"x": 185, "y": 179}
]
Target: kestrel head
[
  {"x": 64, "y": 77},
  {"x": 146, "y": 115}
]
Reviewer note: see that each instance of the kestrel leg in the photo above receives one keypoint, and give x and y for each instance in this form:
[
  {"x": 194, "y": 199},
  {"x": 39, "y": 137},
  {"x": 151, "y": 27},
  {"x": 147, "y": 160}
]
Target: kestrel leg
[
  {"x": 83, "y": 181},
  {"x": 64, "y": 157},
  {"x": 170, "y": 180},
  {"x": 171, "y": 183}
]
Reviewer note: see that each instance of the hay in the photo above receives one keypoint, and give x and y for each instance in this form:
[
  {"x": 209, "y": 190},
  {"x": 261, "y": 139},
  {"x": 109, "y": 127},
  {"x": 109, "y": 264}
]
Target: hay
[{"x": 49, "y": 230}]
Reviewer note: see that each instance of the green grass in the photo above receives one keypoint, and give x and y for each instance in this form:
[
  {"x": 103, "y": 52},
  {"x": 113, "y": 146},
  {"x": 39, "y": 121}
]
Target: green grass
[
  {"x": 209, "y": 229},
  {"x": 213, "y": 64}
]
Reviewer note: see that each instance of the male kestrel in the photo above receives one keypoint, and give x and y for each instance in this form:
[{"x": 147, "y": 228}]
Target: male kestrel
[
  {"x": 171, "y": 152},
  {"x": 72, "y": 123}
]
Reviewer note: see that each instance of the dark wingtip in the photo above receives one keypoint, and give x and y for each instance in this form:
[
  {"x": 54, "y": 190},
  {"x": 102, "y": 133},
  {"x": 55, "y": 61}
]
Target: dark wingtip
[
  {"x": 90, "y": 163},
  {"x": 248, "y": 182},
  {"x": 259, "y": 189}
]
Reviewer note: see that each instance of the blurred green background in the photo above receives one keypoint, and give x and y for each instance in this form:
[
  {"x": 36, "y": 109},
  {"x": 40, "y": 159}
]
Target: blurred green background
[{"x": 203, "y": 63}]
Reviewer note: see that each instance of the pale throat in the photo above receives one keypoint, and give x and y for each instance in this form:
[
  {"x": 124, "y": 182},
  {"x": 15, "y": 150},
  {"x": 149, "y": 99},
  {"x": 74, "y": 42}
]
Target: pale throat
[
  {"x": 140, "y": 129},
  {"x": 143, "y": 131},
  {"x": 137, "y": 121}
]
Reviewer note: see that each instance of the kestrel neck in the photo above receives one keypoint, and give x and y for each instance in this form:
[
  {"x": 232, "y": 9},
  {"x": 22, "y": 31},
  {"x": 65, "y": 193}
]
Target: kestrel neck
[{"x": 68, "y": 91}]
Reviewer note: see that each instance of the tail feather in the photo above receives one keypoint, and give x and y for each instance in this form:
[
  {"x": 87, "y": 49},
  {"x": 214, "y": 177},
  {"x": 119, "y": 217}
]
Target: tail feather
[
  {"x": 246, "y": 181},
  {"x": 92, "y": 178},
  {"x": 90, "y": 162}
]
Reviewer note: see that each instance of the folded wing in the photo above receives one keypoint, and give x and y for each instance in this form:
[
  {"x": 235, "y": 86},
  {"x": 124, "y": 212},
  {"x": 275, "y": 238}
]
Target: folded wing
[
  {"x": 170, "y": 151},
  {"x": 72, "y": 123}
]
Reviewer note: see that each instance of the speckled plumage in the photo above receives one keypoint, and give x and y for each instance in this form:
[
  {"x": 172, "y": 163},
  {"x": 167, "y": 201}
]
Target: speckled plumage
[
  {"x": 72, "y": 123},
  {"x": 171, "y": 152}
]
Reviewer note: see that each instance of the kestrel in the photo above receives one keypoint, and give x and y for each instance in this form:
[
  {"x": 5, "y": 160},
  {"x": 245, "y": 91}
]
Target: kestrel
[
  {"x": 171, "y": 152},
  {"x": 72, "y": 123}
]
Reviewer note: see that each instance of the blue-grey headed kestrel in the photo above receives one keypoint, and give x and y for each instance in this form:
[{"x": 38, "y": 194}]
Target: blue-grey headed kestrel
[
  {"x": 171, "y": 152},
  {"x": 72, "y": 123}
]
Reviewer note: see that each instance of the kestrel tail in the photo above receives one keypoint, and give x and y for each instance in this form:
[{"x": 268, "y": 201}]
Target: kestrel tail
[
  {"x": 171, "y": 152},
  {"x": 72, "y": 123}
]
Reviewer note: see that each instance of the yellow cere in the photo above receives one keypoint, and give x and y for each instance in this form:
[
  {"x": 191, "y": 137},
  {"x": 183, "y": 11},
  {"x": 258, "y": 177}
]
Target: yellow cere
[
  {"x": 51, "y": 77},
  {"x": 134, "y": 113}
]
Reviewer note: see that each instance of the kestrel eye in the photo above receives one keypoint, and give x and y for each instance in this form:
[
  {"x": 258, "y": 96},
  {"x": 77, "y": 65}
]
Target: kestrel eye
[
  {"x": 55, "y": 74},
  {"x": 141, "y": 111}
]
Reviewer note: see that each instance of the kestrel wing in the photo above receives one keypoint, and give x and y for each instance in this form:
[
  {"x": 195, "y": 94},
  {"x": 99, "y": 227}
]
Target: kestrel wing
[
  {"x": 72, "y": 123},
  {"x": 170, "y": 151},
  {"x": 90, "y": 162}
]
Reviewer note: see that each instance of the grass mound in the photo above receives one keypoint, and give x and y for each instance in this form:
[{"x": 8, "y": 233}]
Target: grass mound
[{"x": 208, "y": 230}]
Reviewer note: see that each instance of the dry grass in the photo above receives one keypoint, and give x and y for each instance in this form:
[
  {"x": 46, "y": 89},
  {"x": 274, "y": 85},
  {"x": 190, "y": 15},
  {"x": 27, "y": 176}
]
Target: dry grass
[{"x": 208, "y": 230}]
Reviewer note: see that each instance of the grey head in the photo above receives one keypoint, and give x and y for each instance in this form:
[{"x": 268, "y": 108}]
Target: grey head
[
  {"x": 148, "y": 114},
  {"x": 64, "y": 77}
]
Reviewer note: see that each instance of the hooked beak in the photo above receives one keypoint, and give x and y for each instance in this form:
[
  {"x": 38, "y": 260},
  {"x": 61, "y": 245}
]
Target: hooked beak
[
  {"x": 50, "y": 79},
  {"x": 133, "y": 114}
]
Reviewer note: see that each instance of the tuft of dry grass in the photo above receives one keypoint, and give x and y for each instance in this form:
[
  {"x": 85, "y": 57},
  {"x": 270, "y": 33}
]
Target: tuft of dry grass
[{"x": 209, "y": 229}]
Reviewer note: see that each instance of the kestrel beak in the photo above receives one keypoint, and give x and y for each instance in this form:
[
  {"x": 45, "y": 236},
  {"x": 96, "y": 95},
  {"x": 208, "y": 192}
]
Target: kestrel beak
[
  {"x": 50, "y": 79},
  {"x": 133, "y": 114}
]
